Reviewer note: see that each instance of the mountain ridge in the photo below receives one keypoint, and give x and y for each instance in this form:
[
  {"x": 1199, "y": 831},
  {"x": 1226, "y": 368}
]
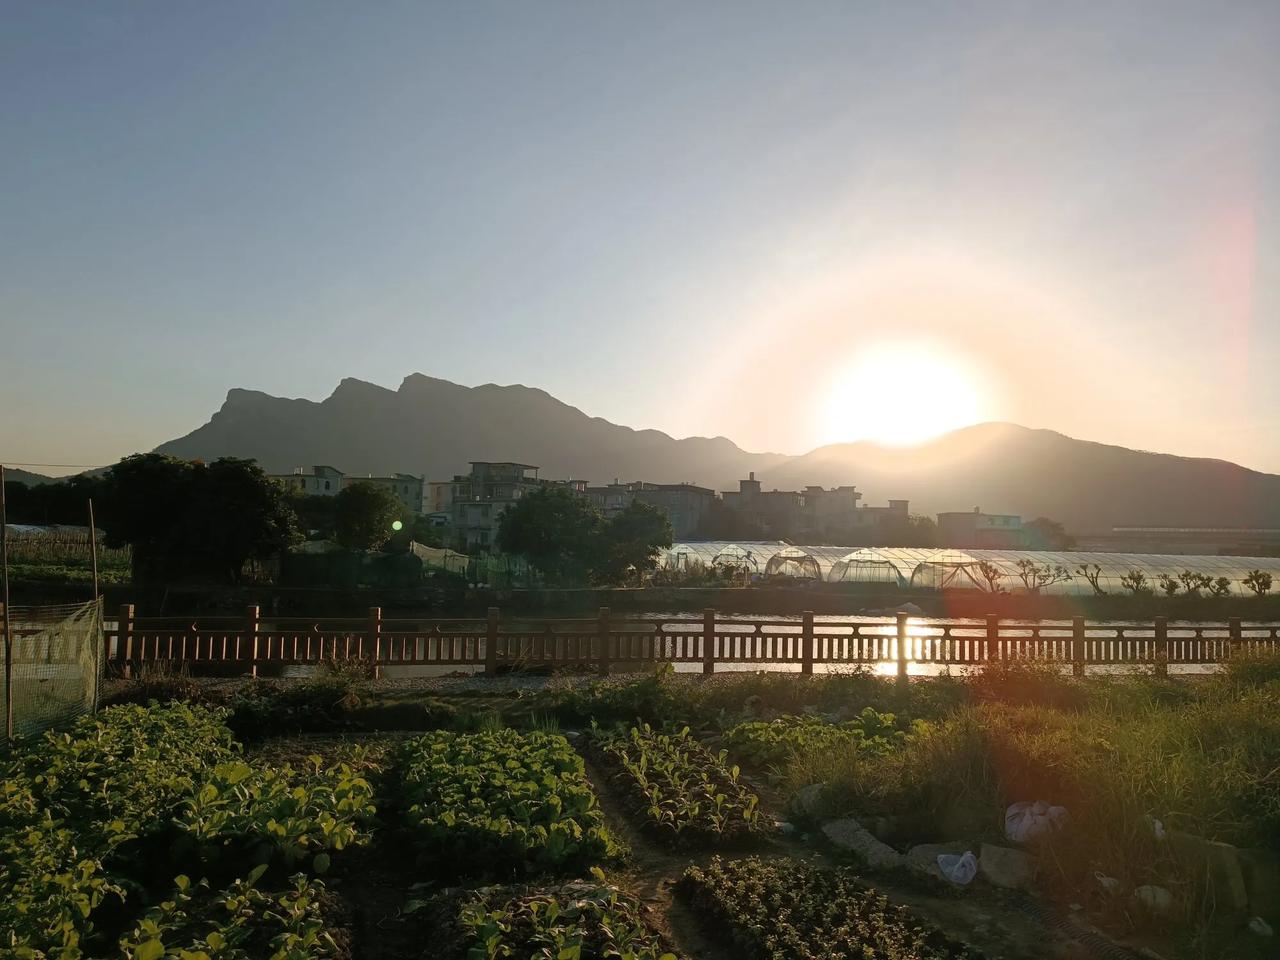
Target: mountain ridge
[{"x": 434, "y": 427}]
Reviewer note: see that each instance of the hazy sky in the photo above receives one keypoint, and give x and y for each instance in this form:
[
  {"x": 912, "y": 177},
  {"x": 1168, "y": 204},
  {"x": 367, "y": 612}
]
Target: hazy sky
[{"x": 701, "y": 217}]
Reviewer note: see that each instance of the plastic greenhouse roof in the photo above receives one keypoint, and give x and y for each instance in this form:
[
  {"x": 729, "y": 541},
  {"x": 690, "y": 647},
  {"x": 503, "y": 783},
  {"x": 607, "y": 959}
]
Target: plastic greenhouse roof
[{"x": 1113, "y": 565}]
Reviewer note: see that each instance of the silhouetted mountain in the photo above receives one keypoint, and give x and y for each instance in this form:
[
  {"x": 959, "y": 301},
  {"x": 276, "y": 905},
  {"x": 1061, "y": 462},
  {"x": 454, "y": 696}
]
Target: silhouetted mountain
[
  {"x": 1005, "y": 468},
  {"x": 14, "y": 475},
  {"x": 434, "y": 427}
]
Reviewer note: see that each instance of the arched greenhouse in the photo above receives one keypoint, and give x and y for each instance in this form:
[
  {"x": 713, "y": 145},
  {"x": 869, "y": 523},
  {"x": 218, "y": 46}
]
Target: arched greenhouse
[
  {"x": 953, "y": 570},
  {"x": 868, "y": 565},
  {"x": 793, "y": 562}
]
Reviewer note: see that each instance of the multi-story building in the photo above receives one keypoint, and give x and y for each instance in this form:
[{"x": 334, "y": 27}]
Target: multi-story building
[
  {"x": 322, "y": 481},
  {"x": 989, "y": 531},
  {"x": 814, "y": 514},
  {"x": 684, "y": 504},
  {"x": 479, "y": 498}
]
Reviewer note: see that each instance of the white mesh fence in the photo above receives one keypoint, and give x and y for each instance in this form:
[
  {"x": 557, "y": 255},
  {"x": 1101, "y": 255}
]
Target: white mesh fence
[{"x": 56, "y": 665}]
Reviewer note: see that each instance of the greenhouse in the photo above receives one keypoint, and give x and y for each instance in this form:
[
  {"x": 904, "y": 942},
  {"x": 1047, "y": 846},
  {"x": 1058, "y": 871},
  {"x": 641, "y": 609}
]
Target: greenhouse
[
  {"x": 1090, "y": 572},
  {"x": 952, "y": 570},
  {"x": 735, "y": 557},
  {"x": 793, "y": 562},
  {"x": 867, "y": 565}
]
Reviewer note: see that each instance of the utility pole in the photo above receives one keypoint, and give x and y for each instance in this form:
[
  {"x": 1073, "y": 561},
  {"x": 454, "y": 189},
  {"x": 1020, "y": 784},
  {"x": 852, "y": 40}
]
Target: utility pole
[{"x": 8, "y": 633}]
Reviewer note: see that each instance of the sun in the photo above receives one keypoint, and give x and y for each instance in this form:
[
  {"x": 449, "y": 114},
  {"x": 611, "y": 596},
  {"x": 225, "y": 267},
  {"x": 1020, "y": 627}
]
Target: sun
[{"x": 901, "y": 394}]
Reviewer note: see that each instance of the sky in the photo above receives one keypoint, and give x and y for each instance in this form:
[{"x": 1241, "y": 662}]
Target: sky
[{"x": 787, "y": 223}]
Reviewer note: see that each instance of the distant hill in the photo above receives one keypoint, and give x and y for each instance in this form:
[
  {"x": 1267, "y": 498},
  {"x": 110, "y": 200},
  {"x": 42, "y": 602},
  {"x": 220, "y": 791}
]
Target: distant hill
[
  {"x": 1005, "y": 468},
  {"x": 14, "y": 475},
  {"x": 434, "y": 427}
]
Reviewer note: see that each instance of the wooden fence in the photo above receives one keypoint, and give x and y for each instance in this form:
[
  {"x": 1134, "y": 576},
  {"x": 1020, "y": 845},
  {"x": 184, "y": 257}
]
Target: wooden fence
[{"x": 246, "y": 643}]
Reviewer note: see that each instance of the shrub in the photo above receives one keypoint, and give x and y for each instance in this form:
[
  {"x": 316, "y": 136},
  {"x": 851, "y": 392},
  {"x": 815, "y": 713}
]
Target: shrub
[
  {"x": 788, "y": 908},
  {"x": 681, "y": 791},
  {"x": 501, "y": 802},
  {"x": 264, "y": 708}
]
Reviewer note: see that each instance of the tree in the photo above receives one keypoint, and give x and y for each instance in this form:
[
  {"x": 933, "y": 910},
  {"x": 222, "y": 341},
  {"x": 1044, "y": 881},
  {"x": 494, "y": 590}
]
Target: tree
[
  {"x": 631, "y": 541},
  {"x": 1035, "y": 577},
  {"x": 1168, "y": 584},
  {"x": 554, "y": 529},
  {"x": 723, "y": 522},
  {"x": 364, "y": 515},
  {"x": 317, "y": 515},
  {"x": 1220, "y": 587},
  {"x": 1135, "y": 581},
  {"x": 1045, "y": 534},
  {"x": 184, "y": 518},
  {"x": 904, "y": 531},
  {"x": 1259, "y": 581},
  {"x": 992, "y": 575},
  {"x": 1093, "y": 574}
]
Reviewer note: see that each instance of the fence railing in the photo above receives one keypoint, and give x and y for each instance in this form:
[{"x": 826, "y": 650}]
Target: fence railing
[{"x": 605, "y": 642}]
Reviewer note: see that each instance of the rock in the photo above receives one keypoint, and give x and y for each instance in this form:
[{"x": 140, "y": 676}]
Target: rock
[
  {"x": 886, "y": 828},
  {"x": 1006, "y": 867},
  {"x": 1157, "y": 901},
  {"x": 849, "y": 834},
  {"x": 1260, "y": 927},
  {"x": 807, "y": 799},
  {"x": 1215, "y": 868},
  {"x": 1109, "y": 885},
  {"x": 1261, "y": 871},
  {"x": 923, "y": 857},
  {"x": 786, "y": 829}
]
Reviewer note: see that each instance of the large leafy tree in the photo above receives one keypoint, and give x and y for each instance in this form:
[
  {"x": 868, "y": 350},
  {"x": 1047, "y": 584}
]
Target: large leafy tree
[
  {"x": 631, "y": 541},
  {"x": 1045, "y": 534},
  {"x": 554, "y": 529},
  {"x": 364, "y": 515},
  {"x": 185, "y": 519}
]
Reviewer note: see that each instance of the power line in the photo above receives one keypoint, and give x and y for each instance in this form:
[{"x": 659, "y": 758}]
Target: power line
[{"x": 83, "y": 466}]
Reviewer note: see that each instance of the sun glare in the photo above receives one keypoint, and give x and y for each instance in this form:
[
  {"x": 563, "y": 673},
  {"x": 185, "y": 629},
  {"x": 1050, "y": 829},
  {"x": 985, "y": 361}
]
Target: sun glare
[{"x": 901, "y": 394}]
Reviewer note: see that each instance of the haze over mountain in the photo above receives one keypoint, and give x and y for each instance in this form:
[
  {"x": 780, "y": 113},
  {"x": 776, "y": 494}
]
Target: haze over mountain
[{"x": 434, "y": 427}]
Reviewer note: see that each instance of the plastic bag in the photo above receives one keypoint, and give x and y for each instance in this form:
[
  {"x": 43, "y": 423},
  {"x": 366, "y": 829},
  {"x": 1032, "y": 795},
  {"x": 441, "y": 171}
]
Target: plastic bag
[
  {"x": 1025, "y": 821},
  {"x": 961, "y": 869}
]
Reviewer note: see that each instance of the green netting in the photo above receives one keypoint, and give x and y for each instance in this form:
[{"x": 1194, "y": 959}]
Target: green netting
[{"x": 56, "y": 664}]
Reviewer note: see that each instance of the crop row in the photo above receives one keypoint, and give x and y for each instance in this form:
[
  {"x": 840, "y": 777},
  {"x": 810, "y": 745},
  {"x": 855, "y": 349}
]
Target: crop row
[
  {"x": 573, "y": 920},
  {"x": 501, "y": 803},
  {"x": 86, "y": 822},
  {"x": 790, "y": 910},
  {"x": 770, "y": 743},
  {"x": 681, "y": 791}
]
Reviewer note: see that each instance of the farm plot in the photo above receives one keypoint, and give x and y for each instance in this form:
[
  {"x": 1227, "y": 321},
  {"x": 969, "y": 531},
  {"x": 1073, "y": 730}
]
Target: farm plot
[
  {"x": 86, "y": 863},
  {"x": 501, "y": 803},
  {"x": 584, "y": 920},
  {"x": 790, "y": 910},
  {"x": 680, "y": 791},
  {"x": 769, "y": 744}
]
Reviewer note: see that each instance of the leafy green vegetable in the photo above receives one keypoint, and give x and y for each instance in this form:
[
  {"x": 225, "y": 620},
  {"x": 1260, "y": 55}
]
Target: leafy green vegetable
[
  {"x": 501, "y": 801},
  {"x": 771, "y": 743},
  {"x": 680, "y": 789},
  {"x": 787, "y": 909}
]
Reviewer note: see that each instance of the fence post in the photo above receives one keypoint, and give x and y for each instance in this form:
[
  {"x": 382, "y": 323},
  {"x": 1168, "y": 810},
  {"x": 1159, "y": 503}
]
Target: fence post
[
  {"x": 491, "y": 642},
  {"x": 992, "y": 651},
  {"x": 251, "y": 623},
  {"x": 1077, "y": 646},
  {"x": 1237, "y": 637},
  {"x": 806, "y": 643},
  {"x": 709, "y": 640},
  {"x": 375, "y": 639},
  {"x": 1162, "y": 647},
  {"x": 603, "y": 631},
  {"x": 902, "y": 648},
  {"x": 124, "y": 640}
]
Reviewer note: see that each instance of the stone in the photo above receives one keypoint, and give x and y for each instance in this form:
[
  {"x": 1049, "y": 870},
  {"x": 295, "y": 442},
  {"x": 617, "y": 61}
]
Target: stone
[
  {"x": 1006, "y": 867},
  {"x": 923, "y": 857},
  {"x": 1260, "y": 927},
  {"x": 1261, "y": 871},
  {"x": 849, "y": 834},
  {"x": 1215, "y": 868},
  {"x": 807, "y": 799},
  {"x": 1157, "y": 901}
]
